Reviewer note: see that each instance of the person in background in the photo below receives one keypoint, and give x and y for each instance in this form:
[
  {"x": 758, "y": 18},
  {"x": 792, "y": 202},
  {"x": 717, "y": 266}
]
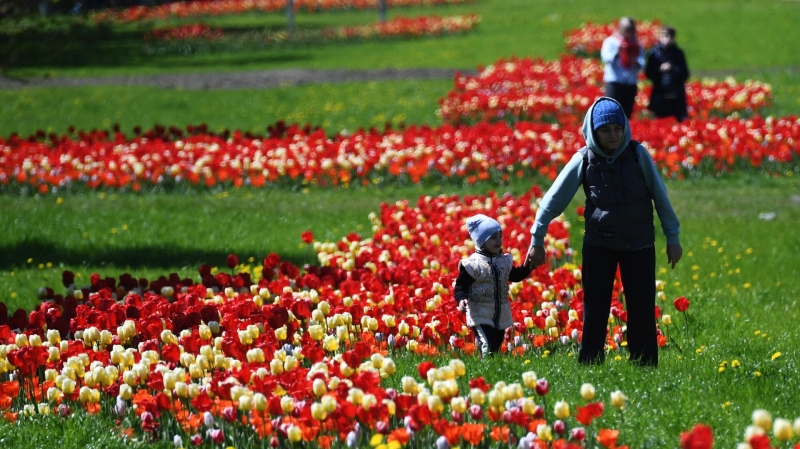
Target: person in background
[
  {"x": 666, "y": 67},
  {"x": 622, "y": 185},
  {"x": 623, "y": 59},
  {"x": 481, "y": 289}
]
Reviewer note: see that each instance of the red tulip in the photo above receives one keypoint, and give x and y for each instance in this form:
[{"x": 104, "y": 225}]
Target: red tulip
[
  {"x": 681, "y": 304},
  {"x": 700, "y": 437},
  {"x": 232, "y": 260},
  {"x": 216, "y": 435},
  {"x": 476, "y": 412},
  {"x": 578, "y": 434},
  {"x": 542, "y": 387}
]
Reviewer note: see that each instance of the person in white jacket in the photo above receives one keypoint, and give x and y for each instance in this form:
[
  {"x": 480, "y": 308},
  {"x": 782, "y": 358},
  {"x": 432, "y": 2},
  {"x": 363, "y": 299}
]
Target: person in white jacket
[{"x": 623, "y": 59}]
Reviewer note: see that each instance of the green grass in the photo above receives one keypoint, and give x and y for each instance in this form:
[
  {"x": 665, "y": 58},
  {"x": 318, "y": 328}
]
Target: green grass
[
  {"x": 335, "y": 107},
  {"x": 738, "y": 270},
  {"x": 731, "y": 34}
]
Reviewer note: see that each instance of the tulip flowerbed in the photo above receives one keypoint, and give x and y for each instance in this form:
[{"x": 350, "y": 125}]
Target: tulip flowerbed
[
  {"x": 588, "y": 39},
  {"x": 185, "y": 32},
  {"x": 202, "y": 36},
  {"x": 407, "y": 27},
  {"x": 166, "y": 158},
  {"x": 224, "y": 7},
  {"x": 527, "y": 89},
  {"x": 280, "y": 353}
]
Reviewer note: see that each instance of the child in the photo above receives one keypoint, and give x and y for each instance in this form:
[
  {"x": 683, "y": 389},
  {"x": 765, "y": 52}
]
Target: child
[
  {"x": 481, "y": 289},
  {"x": 621, "y": 184}
]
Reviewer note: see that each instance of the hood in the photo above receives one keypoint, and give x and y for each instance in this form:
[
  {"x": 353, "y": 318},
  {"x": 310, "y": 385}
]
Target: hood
[{"x": 591, "y": 141}]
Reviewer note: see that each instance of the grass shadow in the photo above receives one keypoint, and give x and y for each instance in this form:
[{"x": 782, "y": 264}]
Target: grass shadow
[{"x": 135, "y": 257}]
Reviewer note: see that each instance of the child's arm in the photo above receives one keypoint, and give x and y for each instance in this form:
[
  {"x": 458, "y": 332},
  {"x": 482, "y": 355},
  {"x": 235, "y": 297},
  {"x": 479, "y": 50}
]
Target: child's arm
[
  {"x": 519, "y": 273},
  {"x": 461, "y": 293}
]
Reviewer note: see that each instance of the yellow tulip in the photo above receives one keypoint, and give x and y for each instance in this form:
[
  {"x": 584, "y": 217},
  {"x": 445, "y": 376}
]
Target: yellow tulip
[
  {"x": 529, "y": 379},
  {"x": 287, "y": 404},
  {"x": 618, "y": 400},
  {"x": 782, "y": 429},
  {"x": 458, "y": 404},
  {"x": 587, "y": 392},
  {"x": 245, "y": 403},
  {"x": 294, "y": 433},
  {"x": 316, "y": 332},
  {"x": 125, "y": 392},
  {"x": 562, "y": 410},
  {"x": 435, "y": 404},
  {"x": 762, "y": 419},
  {"x": 544, "y": 432},
  {"x": 328, "y": 403},
  {"x": 318, "y": 411},
  {"x": 318, "y": 387},
  {"x": 477, "y": 396}
]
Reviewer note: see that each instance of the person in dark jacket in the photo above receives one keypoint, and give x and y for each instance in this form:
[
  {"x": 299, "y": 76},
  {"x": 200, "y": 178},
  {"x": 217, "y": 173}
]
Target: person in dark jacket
[
  {"x": 622, "y": 186},
  {"x": 666, "y": 67}
]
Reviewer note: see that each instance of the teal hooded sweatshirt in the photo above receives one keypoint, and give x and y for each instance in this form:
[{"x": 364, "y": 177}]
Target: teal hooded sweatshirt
[{"x": 569, "y": 180}]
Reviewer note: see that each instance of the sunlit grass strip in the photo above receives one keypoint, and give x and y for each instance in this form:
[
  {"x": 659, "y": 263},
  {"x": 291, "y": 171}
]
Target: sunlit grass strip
[{"x": 225, "y": 7}]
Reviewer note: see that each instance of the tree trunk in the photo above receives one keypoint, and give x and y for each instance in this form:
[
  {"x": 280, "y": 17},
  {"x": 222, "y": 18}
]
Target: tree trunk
[
  {"x": 382, "y": 11},
  {"x": 290, "y": 17}
]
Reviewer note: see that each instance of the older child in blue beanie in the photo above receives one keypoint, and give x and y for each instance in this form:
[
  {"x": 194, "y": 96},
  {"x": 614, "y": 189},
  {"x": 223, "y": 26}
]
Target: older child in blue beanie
[
  {"x": 622, "y": 185},
  {"x": 481, "y": 289}
]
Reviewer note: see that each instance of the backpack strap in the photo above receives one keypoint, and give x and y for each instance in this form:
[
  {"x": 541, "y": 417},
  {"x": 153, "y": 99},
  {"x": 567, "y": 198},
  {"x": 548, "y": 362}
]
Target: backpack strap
[
  {"x": 632, "y": 147},
  {"x": 585, "y": 153}
]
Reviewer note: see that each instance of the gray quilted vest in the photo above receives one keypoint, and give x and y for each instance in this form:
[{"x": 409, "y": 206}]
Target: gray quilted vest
[{"x": 619, "y": 206}]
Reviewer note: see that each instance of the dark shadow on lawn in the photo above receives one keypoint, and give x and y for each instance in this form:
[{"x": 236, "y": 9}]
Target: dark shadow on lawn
[
  {"x": 101, "y": 46},
  {"x": 12, "y": 256}
]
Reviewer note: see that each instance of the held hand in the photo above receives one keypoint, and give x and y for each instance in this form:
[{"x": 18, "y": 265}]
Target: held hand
[
  {"x": 535, "y": 257},
  {"x": 462, "y": 306},
  {"x": 666, "y": 67},
  {"x": 674, "y": 253}
]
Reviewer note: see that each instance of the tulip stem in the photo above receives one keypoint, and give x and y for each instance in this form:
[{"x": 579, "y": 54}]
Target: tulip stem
[{"x": 686, "y": 323}]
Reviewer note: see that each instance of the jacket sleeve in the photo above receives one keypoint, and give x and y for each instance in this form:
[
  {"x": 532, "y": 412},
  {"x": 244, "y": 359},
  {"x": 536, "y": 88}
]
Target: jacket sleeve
[
  {"x": 609, "y": 50},
  {"x": 640, "y": 59},
  {"x": 651, "y": 68},
  {"x": 519, "y": 273},
  {"x": 463, "y": 282},
  {"x": 669, "y": 221},
  {"x": 557, "y": 197}
]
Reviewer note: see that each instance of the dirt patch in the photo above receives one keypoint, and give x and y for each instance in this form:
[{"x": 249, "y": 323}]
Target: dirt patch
[{"x": 238, "y": 80}]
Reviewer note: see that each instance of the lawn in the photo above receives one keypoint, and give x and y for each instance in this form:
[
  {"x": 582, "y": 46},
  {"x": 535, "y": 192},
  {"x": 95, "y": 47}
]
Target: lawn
[{"x": 738, "y": 353}]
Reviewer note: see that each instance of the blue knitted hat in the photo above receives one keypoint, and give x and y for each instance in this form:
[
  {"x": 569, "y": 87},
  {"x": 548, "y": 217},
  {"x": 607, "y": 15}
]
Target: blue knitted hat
[
  {"x": 605, "y": 112},
  {"x": 481, "y": 228}
]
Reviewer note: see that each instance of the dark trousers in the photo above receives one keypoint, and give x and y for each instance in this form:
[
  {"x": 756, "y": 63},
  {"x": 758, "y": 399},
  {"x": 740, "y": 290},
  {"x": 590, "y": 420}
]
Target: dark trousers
[
  {"x": 625, "y": 94},
  {"x": 488, "y": 338},
  {"x": 638, "y": 270}
]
